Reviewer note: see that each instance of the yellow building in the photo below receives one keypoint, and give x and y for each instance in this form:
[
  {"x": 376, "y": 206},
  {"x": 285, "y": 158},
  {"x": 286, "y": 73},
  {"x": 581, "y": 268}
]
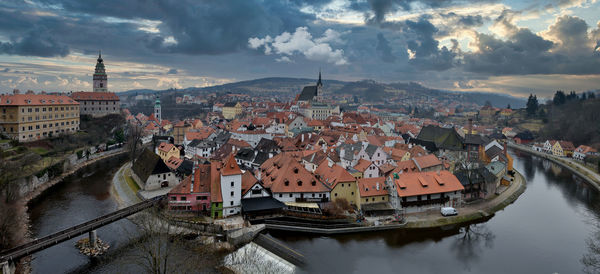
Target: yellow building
[
  {"x": 30, "y": 117},
  {"x": 372, "y": 191},
  {"x": 166, "y": 151},
  {"x": 232, "y": 110},
  {"x": 563, "y": 148},
  {"x": 342, "y": 184}
]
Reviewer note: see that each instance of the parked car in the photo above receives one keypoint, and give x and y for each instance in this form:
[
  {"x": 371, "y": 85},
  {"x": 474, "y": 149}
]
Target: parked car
[{"x": 448, "y": 211}]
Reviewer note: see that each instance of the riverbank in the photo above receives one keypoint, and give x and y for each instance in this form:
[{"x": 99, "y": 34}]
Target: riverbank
[
  {"x": 22, "y": 205},
  {"x": 474, "y": 212},
  {"x": 589, "y": 176}
]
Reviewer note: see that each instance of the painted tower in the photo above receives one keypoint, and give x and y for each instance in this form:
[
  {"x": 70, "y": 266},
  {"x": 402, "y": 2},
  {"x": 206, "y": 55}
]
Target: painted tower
[
  {"x": 157, "y": 111},
  {"x": 100, "y": 78}
]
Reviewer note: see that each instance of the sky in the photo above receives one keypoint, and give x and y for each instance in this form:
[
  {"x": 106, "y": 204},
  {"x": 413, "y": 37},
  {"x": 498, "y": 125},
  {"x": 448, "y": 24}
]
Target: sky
[{"x": 511, "y": 47}]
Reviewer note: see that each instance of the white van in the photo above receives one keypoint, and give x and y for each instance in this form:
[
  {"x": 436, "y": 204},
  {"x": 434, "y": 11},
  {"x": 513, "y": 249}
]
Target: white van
[{"x": 448, "y": 211}]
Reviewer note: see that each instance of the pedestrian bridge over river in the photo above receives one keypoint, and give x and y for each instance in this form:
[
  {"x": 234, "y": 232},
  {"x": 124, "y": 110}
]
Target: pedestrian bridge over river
[{"x": 9, "y": 256}]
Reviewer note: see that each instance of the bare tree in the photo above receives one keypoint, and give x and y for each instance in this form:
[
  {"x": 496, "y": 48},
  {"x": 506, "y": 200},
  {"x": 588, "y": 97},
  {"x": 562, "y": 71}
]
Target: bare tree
[
  {"x": 164, "y": 248},
  {"x": 134, "y": 141},
  {"x": 469, "y": 242}
]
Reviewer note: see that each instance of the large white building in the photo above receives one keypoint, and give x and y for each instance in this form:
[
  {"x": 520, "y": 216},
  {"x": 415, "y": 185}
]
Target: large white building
[{"x": 231, "y": 187}]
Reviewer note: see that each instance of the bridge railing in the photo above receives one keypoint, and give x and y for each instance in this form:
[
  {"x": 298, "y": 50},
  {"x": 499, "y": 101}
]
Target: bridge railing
[{"x": 76, "y": 230}]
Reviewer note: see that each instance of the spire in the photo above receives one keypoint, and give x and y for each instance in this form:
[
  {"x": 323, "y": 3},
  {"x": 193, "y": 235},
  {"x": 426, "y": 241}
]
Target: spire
[
  {"x": 99, "y": 56},
  {"x": 319, "y": 83}
]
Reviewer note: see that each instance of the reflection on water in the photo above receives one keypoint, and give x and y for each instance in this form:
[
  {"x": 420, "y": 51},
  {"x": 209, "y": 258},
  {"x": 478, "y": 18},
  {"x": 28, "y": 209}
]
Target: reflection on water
[{"x": 544, "y": 231}]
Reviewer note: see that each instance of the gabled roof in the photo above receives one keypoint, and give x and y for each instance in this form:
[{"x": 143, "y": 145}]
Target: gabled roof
[
  {"x": 165, "y": 147},
  {"x": 446, "y": 138},
  {"x": 231, "y": 167},
  {"x": 426, "y": 161},
  {"x": 308, "y": 93},
  {"x": 248, "y": 181},
  {"x": 35, "y": 100},
  {"x": 333, "y": 175},
  {"x": 185, "y": 167},
  {"x": 215, "y": 183},
  {"x": 283, "y": 174},
  {"x": 362, "y": 165},
  {"x": 367, "y": 187},
  {"x": 267, "y": 145},
  {"x": 147, "y": 164}
]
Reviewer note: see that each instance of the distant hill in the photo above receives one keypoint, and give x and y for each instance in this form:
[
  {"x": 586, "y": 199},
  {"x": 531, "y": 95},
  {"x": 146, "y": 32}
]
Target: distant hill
[{"x": 368, "y": 90}]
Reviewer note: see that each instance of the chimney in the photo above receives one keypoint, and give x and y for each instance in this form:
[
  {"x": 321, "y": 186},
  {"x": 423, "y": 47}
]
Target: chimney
[{"x": 470, "y": 127}]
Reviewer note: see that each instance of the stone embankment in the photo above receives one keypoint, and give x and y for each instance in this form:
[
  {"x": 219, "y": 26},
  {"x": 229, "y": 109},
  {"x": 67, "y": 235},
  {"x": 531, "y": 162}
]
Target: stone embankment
[{"x": 583, "y": 172}]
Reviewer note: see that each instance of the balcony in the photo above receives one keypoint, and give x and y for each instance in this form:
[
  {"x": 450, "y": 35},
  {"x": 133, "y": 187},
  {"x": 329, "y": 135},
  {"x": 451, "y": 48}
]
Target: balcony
[{"x": 426, "y": 202}]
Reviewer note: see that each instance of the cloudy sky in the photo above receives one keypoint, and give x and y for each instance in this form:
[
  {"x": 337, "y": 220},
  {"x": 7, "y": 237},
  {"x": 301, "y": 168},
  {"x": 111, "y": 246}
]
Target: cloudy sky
[{"x": 514, "y": 47}]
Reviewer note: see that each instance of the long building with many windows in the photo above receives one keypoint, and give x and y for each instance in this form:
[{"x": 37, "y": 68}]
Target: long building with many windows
[{"x": 30, "y": 117}]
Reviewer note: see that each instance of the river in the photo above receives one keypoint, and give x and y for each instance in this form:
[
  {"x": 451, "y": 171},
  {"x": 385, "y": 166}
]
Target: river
[{"x": 544, "y": 231}]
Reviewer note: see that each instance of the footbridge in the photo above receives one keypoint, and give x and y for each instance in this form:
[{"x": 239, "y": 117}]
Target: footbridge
[{"x": 9, "y": 256}]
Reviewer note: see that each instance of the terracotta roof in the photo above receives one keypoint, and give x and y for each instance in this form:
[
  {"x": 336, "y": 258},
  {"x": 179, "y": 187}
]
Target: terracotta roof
[
  {"x": 585, "y": 149},
  {"x": 362, "y": 165},
  {"x": 165, "y": 147},
  {"x": 367, "y": 187},
  {"x": 333, "y": 175},
  {"x": 35, "y": 100},
  {"x": 423, "y": 183},
  {"x": 202, "y": 178},
  {"x": 283, "y": 174},
  {"x": 200, "y": 134},
  {"x": 231, "y": 167},
  {"x": 95, "y": 96},
  {"x": 248, "y": 180},
  {"x": 184, "y": 187},
  {"x": 238, "y": 143},
  {"x": 173, "y": 163},
  {"x": 426, "y": 161},
  {"x": 406, "y": 166},
  {"x": 566, "y": 145},
  {"x": 215, "y": 183}
]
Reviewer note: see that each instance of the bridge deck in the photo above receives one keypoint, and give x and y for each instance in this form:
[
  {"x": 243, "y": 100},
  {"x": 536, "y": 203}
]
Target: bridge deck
[{"x": 66, "y": 234}]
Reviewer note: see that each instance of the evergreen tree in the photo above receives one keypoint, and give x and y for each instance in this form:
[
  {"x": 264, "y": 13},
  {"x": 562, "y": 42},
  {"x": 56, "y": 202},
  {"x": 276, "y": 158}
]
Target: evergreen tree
[
  {"x": 508, "y": 106},
  {"x": 592, "y": 95},
  {"x": 559, "y": 98},
  {"x": 532, "y": 105},
  {"x": 583, "y": 96}
]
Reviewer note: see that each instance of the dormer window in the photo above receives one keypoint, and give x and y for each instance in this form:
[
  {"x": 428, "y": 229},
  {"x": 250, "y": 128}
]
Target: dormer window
[
  {"x": 313, "y": 183},
  {"x": 286, "y": 183},
  {"x": 299, "y": 183},
  {"x": 296, "y": 170}
]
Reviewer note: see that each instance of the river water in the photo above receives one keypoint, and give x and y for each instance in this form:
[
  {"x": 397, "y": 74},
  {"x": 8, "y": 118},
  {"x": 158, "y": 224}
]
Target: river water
[{"x": 545, "y": 231}]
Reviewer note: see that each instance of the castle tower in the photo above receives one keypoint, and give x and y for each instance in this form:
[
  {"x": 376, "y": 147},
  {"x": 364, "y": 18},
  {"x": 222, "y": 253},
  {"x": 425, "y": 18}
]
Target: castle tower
[
  {"x": 157, "y": 110},
  {"x": 100, "y": 78}
]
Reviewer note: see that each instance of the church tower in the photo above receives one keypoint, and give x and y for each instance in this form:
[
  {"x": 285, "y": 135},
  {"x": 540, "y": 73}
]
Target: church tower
[
  {"x": 319, "y": 96},
  {"x": 100, "y": 78},
  {"x": 157, "y": 111}
]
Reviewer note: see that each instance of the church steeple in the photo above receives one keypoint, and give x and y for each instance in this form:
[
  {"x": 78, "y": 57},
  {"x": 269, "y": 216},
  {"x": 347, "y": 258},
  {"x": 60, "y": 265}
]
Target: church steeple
[
  {"x": 319, "y": 83},
  {"x": 100, "y": 78}
]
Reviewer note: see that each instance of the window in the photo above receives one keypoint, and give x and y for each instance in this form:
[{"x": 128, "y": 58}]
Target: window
[
  {"x": 280, "y": 195},
  {"x": 290, "y": 195},
  {"x": 183, "y": 198},
  {"x": 232, "y": 194},
  {"x": 313, "y": 195},
  {"x": 256, "y": 191},
  {"x": 231, "y": 203},
  {"x": 173, "y": 198},
  {"x": 352, "y": 193},
  {"x": 335, "y": 195},
  {"x": 232, "y": 184},
  {"x": 383, "y": 198}
]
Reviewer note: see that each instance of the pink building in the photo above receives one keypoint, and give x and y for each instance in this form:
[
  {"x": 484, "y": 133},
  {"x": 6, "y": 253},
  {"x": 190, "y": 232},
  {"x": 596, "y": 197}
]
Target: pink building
[{"x": 193, "y": 193}]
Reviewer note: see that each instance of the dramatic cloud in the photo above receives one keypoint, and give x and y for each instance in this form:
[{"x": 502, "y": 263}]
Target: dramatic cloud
[
  {"x": 453, "y": 44},
  {"x": 384, "y": 50},
  {"x": 302, "y": 42}
]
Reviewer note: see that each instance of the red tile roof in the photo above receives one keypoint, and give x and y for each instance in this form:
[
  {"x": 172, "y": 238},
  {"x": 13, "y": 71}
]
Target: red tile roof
[
  {"x": 215, "y": 183},
  {"x": 362, "y": 165},
  {"x": 426, "y": 161},
  {"x": 202, "y": 178},
  {"x": 367, "y": 187},
  {"x": 248, "y": 180},
  {"x": 94, "y": 96},
  {"x": 333, "y": 175},
  {"x": 283, "y": 174},
  {"x": 35, "y": 100},
  {"x": 231, "y": 167},
  {"x": 165, "y": 147},
  {"x": 423, "y": 183}
]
